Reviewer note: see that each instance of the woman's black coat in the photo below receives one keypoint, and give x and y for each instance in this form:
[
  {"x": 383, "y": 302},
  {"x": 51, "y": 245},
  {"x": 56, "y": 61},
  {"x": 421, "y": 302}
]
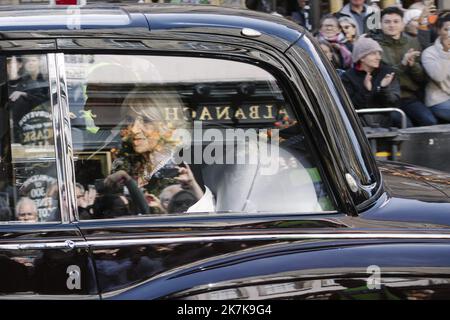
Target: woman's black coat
[{"x": 378, "y": 97}]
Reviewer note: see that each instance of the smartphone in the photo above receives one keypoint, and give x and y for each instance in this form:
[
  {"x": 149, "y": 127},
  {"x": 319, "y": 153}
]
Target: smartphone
[{"x": 168, "y": 172}]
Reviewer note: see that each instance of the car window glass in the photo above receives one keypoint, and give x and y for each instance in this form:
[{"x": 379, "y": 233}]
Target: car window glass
[
  {"x": 28, "y": 185},
  {"x": 165, "y": 135}
]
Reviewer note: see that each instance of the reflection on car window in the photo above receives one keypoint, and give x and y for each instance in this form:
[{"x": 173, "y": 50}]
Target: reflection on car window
[
  {"x": 28, "y": 185},
  {"x": 164, "y": 135}
]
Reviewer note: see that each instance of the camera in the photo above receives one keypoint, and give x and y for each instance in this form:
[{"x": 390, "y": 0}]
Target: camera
[
  {"x": 166, "y": 173},
  {"x": 103, "y": 189}
]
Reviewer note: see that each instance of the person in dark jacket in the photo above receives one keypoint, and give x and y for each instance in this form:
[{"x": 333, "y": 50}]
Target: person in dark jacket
[
  {"x": 27, "y": 87},
  {"x": 402, "y": 52},
  {"x": 358, "y": 11},
  {"x": 27, "y": 92},
  {"x": 300, "y": 15},
  {"x": 370, "y": 83}
]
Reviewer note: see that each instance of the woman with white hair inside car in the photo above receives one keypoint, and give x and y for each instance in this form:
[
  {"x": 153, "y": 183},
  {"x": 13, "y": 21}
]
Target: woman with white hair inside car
[{"x": 146, "y": 162}]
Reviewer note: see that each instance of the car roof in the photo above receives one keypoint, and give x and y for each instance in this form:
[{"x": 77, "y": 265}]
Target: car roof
[{"x": 44, "y": 20}]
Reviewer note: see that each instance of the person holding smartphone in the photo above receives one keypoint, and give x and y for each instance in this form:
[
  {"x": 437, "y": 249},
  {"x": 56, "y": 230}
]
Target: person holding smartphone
[
  {"x": 436, "y": 61},
  {"x": 146, "y": 164}
]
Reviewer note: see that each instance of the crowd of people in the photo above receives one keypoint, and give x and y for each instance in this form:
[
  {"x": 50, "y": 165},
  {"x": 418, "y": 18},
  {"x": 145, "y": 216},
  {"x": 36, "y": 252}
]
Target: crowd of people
[{"x": 396, "y": 57}]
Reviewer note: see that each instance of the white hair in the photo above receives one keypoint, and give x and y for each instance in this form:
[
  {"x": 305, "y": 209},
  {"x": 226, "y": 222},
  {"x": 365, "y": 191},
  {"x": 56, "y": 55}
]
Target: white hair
[{"x": 25, "y": 201}]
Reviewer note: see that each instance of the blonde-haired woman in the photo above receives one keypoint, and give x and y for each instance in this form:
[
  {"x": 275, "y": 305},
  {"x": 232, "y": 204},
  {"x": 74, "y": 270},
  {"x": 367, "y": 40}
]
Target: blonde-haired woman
[{"x": 146, "y": 162}]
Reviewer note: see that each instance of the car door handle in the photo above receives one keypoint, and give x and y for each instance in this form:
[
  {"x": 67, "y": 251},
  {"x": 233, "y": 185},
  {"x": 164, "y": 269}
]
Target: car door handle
[{"x": 64, "y": 245}]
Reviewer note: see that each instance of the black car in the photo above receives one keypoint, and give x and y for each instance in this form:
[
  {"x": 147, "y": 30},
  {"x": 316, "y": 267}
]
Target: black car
[{"x": 189, "y": 152}]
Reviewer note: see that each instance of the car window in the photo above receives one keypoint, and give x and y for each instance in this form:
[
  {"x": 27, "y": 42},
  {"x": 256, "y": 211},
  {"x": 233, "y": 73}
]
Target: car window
[
  {"x": 166, "y": 134},
  {"x": 28, "y": 184}
]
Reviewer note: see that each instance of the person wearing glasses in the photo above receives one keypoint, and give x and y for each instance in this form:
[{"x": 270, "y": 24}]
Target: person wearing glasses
[
  {"x": 26, "y": 210},
  {"x": 330, "y": 30}
]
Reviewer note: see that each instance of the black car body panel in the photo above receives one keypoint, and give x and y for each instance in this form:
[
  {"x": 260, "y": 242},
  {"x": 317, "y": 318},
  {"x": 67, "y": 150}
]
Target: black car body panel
[
  {"x": 342, "y": 263},
  {"x": 397, "y": 219},
  {"x": 135, "y": 21},
  {"x": 31, "y": 267}
]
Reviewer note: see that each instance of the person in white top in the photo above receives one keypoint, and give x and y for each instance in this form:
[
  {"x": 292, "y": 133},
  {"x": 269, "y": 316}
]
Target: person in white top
[{"x": 436, "y": 61}]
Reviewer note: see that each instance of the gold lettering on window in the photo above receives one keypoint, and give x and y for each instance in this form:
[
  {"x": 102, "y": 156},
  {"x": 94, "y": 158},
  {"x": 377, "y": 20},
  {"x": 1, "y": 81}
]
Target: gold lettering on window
[
  {"x": 254, "y": 112},
  {"x": 240, "y": 114},
  {"x": 269, "y": 114},
  {"x": 205, "y": 113},
  {"x": 172, "y": 113},
  {"x": 224, "y": 114}
]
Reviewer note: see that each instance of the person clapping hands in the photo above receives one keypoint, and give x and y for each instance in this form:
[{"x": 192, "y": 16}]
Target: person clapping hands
[{"x": 370, "y": 83}]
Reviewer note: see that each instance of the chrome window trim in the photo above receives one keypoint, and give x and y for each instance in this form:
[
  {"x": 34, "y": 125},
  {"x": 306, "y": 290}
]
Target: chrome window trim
[
  {"x": 68, "y": 163},
  {"x": 55, "y": 105},
  {"x": 62, "y": 137},
  {"x": 275, "y": 237},
  {"x": 217, "y": 214},
  {"x": 68, "y": 245},
  {"x": 64, "y": 245}
]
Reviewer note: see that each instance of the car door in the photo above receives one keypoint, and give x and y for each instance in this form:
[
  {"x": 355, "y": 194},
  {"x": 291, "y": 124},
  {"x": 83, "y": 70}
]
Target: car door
[
  {"x": 42, "y": 254},
  {"x": 255, "y": 204},
  {"x": 177, "y": 245},
  {"x": 365, "y": 271}
]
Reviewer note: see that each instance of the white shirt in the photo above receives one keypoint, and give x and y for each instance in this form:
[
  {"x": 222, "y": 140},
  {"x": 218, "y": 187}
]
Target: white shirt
[{"x": 205, "y": 204}]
